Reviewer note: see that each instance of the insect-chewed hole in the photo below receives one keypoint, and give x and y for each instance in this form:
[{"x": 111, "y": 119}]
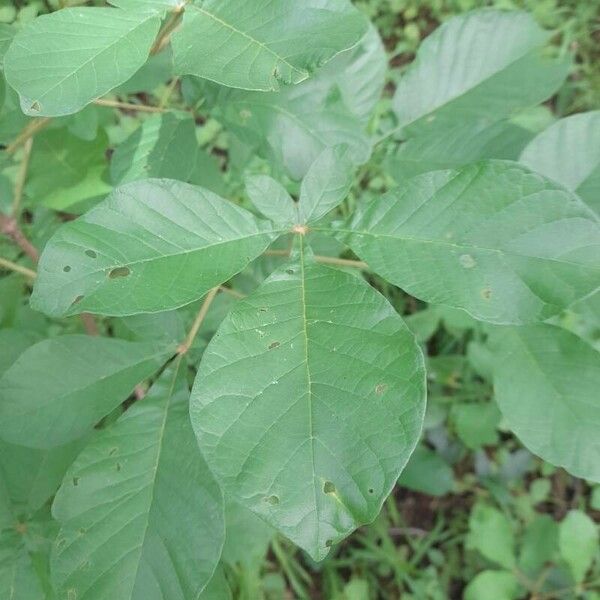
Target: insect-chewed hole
[
  {"x": 328, "y": 488},
  {"x": 113, "y": 451},
  {"x": 75, "y": 481},
  {"x": 289, "y": 271},
  {"x": 119, "y": 272},
  {"x": 371, "y": 491},
  {"x": 486, "y": 293},
  {"x": 91, "y": 254},
  {"x": 329, "y": 543},
  {"x": 273, "y": 345},
  {"x": 118, "y": 467},
  {"x": 66, "y": 268},
  {"x": 273, "y": 500}
]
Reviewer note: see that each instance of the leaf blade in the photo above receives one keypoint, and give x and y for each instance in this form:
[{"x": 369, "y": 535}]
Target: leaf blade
[
  {"x": 294, "y": 332},
  {"x": 56, "y": 86},
  {"x": 153, "y": 245}
]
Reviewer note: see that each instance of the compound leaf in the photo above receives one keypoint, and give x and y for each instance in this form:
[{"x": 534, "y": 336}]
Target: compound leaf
[
  {"x": 141, "y": 516},
  {"x": 486, "y": 63},
  {"x": 58, "y": 389},
  {"x": 263, "y": 44},
  {"x": 326, "y": 184},
  {"x": 309, "y": 401},
  {"x": 569, "y": 152},
  {"x": 492, "y": 238},
  {"x": 151, "y": 246},
  {"x": 64, "y": 60},
  {"x": 546, "y": 383}
]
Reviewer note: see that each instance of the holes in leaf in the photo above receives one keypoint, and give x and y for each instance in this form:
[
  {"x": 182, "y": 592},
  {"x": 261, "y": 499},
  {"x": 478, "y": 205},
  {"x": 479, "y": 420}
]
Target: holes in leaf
[
  {"x": 81, "y": 531},
  {"x": 113, "y": 451},
  {"x": 66, "y": 268},
  {"x": 329, "y": 543},
  {"x": 91, "y": 254},
  {"x": 118, "y": 467},
  {"x": 75, "y": 481},
  {"x": 36, "y": 106},
  {"x": 371, "y": 491},
  {"x": 486, "y": 293},
  {"x": 272, "y": 500},
  {"x": 274, "y": 345},
  {"x": 289, "y": 271},
  {"x": 119, "y": 272},
  {"x": 328, "y": 488}
]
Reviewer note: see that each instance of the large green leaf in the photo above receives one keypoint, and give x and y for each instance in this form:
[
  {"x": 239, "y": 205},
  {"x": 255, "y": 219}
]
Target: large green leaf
[
  {"x": 141, "y": 516},
  {"x": 546, "y": 381},
  {"x": 492, "y": 238},
  {"x": 151, "y": 246},
  {"x": 163, "y": 146},
  {"x": 64, "y": 60},
  {"x": 486, "y": 63},
  {"x": 263, "y": 44},
  {"x": 60, "y": 388},
  {"x": 569, "y": 152},
  {"x": 309, "y": 401}
]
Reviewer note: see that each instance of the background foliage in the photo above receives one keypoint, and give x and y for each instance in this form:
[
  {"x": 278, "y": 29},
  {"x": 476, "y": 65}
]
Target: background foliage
[{"x": 475, "y": 515}]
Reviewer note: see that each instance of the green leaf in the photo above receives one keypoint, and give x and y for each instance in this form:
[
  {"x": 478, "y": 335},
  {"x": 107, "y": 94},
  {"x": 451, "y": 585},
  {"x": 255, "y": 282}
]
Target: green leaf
[
  {"x": 65, "y": 169},
  {"x": 60, "y": 388},
  {"x": 272, "y": 200},
  {"x": 569, "y": 152},
  {"x": 153, "y": 245},
  {"x": 539, "y": 544},
  {"x": 326, "y": 184},
  {"x": 493, "y": 585},
  {"x": 504, "y": 244},
  {"x": 309, "y": 401},
  {"x": 451, "y": 146},
  {"x": 546, "y": 383},
  {"x": 141, "y": 516},
  {"x": 476, "y": 423},
  {"x": 491, "y": 533},
  {"x": 163, "y": 146},
  {"x": 486, "y": 63},
  {"x": 578, "y": 543},
  {"x": 64, "y": 60},
  {"x": 240, "y": 44},
  {"x": 427, "y": 472},
  {"x": 32, "y": 475}
]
